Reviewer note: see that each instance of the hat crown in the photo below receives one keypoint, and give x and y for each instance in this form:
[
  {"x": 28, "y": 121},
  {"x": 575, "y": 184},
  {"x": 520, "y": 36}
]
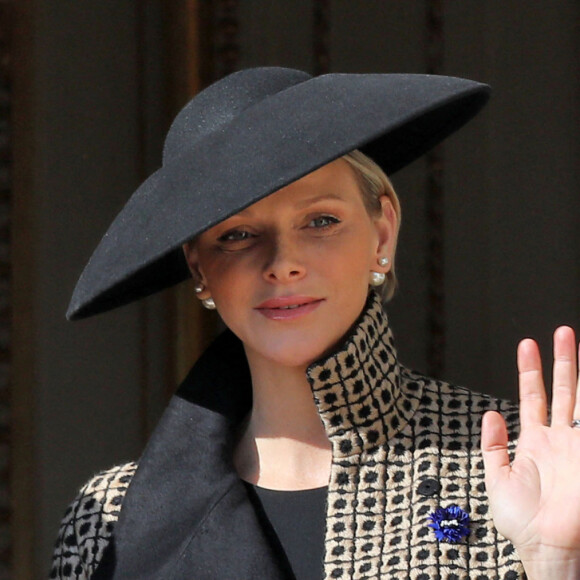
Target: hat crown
[{"x": 220, "y": 103}]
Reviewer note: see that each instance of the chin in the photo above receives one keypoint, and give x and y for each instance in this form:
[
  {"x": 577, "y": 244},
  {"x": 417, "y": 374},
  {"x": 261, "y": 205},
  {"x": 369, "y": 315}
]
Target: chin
[
  {"x": 293, "y": 357},
  {"x": 297, "y": 352}
]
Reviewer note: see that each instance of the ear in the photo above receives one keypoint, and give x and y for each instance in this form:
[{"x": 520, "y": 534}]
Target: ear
[
  {"x": 387, "y": 227},
  {"x": 192, "y": 258}
]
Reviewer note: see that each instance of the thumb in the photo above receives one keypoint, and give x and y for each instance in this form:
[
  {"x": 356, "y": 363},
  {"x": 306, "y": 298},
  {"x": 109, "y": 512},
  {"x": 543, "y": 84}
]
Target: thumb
[{"x": 494, "y": 440}]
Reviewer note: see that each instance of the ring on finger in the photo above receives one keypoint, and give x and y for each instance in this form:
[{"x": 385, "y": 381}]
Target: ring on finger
[{"x": 576, "y": 423}]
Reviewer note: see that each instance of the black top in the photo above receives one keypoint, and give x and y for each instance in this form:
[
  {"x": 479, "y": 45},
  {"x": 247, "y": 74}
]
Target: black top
[{"x": 298, "y": 521}]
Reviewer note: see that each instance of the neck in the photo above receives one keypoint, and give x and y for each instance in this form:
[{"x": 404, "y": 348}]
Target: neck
[{"x": 283, "y": 444}]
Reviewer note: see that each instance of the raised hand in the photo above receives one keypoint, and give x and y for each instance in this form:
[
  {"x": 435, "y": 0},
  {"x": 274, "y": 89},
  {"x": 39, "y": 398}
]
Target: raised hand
[{"x": 535, "y": 500}]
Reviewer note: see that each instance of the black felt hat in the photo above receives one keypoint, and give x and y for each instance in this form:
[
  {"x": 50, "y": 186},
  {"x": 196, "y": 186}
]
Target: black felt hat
[{"x": 247, "y": 136}]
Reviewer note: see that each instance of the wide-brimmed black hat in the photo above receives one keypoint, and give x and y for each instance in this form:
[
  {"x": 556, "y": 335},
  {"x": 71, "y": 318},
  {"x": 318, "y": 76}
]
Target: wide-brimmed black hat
[{"x": 247, "y": 136}]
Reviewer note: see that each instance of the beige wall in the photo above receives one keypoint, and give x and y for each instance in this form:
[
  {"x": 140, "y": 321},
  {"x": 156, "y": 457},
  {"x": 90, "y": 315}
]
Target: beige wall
[{"x": 512, "y": 205}]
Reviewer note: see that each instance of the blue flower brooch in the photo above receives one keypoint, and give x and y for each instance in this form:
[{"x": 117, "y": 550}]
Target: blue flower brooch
[{"x": 450, "y": 524}]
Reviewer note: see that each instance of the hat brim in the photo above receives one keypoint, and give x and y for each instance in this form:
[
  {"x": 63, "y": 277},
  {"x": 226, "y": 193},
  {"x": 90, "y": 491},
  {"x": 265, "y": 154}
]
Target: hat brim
[{"x": 393, "y": 118}]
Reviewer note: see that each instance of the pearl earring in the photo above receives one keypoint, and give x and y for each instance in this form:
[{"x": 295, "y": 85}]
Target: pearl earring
[
  {"x": 377, "y": 278},
  {"x": 199, "y": 288},
  {"x": 208, "y": 303},
  {"x": 383, "y": 261}
]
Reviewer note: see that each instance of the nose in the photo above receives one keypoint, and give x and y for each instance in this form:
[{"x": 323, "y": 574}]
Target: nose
[{"x": 284, "y": 262}]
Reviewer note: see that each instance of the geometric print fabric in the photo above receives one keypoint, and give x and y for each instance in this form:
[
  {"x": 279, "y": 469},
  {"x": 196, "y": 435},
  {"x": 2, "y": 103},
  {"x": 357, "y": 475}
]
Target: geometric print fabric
[
  {"x": 88, "y": 523},
  {"x": 403, "y": 445}
]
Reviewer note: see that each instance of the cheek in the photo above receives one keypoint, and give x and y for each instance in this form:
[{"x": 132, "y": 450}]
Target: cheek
[
  {"x": 217, "y": 279},
  {"x": 355, "y": 256},
  {"x": 226, "y": 276}
]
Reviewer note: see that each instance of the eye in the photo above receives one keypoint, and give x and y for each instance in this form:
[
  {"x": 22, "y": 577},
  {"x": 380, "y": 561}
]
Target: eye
[
  {"x": 323, "y": 221},
  {"x": 235, "y": 236}
]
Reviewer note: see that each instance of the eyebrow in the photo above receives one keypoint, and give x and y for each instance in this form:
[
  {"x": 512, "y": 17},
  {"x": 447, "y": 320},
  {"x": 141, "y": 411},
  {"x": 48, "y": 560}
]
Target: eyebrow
[
  {"x": 302, "y": 204},
  {"x": 318, "y": 198}
]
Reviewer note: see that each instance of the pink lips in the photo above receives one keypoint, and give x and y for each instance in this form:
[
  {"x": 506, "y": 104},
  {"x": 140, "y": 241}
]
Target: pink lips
[{"x": 288, "y": 307}]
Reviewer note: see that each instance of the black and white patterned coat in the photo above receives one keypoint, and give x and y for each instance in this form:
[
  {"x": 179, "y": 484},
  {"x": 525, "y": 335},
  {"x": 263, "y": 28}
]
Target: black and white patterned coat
[{"x": 403, "y": 446}]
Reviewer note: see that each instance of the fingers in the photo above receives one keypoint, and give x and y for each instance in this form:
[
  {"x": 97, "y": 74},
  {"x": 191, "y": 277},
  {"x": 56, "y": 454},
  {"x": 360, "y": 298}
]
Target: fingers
[
  {"x": 494, "y": 440},
  {"x": 533, "y": 403},
  {"x": 565, "y": 377},
  {"x": 565, "y": 383}
]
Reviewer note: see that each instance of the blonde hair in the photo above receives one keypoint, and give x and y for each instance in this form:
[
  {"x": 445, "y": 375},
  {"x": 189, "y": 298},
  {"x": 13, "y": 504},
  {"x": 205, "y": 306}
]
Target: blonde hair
[{"x": 374, "y": 184}]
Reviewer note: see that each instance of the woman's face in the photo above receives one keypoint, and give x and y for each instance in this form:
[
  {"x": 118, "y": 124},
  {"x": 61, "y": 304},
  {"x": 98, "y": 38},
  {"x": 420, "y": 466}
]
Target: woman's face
[{"x": 289, "y": 275}]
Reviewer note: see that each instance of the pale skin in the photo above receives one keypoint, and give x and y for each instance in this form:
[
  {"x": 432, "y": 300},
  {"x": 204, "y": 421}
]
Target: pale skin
[{"x": 315, "y": 239}]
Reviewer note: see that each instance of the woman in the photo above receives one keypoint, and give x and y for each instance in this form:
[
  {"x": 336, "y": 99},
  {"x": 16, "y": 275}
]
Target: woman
[{"x": 298, "y": 446}]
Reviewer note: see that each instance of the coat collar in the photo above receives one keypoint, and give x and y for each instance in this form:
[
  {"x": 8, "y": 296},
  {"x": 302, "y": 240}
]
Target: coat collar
[
  {"x": 358, "y": 390},
  {"x": 187, "y": 514}
]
